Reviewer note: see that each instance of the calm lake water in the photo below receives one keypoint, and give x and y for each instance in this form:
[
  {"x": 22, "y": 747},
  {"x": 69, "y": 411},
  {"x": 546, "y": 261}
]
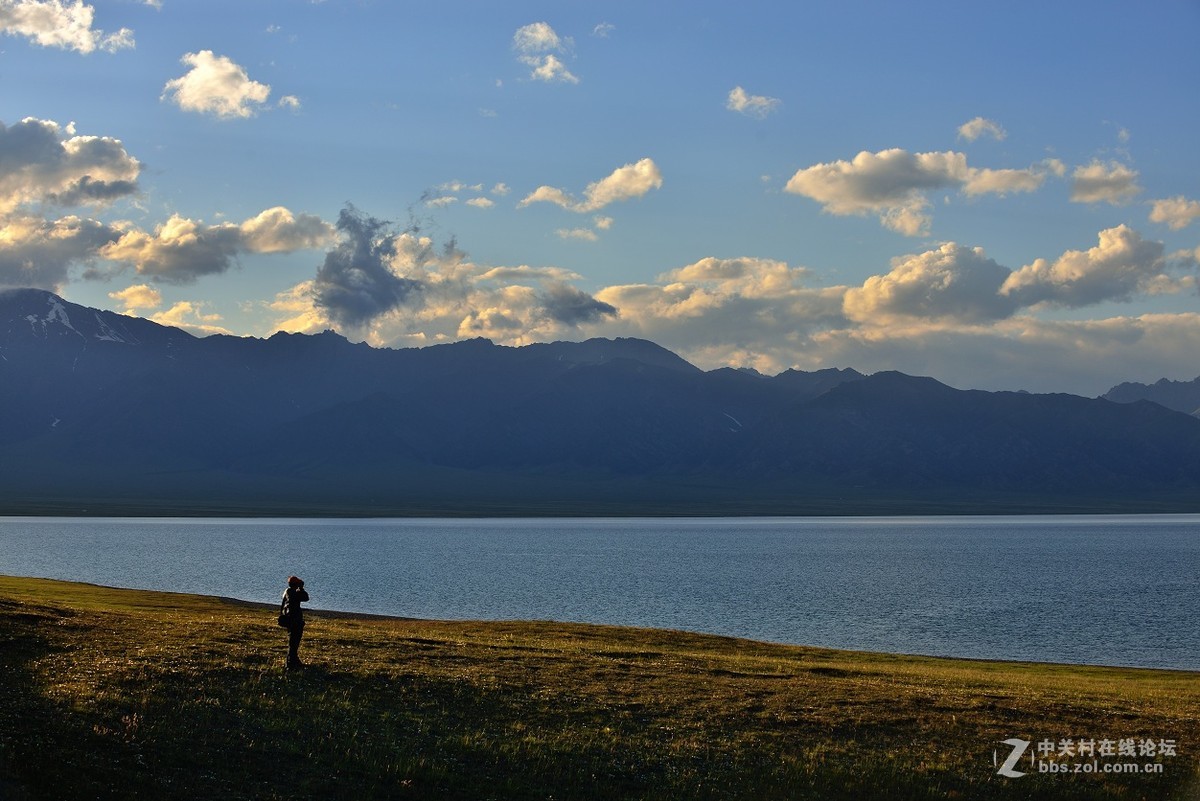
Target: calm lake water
[{"x": 1116, "y": 590}]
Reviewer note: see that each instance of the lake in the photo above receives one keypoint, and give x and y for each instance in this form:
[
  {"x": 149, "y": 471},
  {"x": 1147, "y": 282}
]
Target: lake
[{"x": 1113, "y": 590}]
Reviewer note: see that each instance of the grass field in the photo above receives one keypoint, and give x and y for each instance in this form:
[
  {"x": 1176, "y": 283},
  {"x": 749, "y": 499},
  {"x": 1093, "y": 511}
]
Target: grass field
[{"x": 108, "y": 693}]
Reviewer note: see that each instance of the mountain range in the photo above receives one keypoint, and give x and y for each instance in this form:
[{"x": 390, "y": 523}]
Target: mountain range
[{"x": 102, "y": 413}]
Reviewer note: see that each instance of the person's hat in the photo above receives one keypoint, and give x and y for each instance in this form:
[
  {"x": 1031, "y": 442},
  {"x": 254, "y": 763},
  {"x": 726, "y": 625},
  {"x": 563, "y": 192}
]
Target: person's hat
[{"x": 294, "y": 581}]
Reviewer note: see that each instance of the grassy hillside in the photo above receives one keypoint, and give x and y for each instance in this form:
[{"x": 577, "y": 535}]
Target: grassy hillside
[{"x": 109, "y": 693}]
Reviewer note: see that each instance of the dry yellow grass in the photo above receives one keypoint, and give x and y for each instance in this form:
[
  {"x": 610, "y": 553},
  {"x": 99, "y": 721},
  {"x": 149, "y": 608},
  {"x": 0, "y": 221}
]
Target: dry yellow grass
[{"x": 125, "y": 694}]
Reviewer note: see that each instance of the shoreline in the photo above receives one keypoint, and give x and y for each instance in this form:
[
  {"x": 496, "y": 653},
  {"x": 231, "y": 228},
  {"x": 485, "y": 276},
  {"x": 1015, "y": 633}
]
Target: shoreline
[{"x": 352, "y": 615}]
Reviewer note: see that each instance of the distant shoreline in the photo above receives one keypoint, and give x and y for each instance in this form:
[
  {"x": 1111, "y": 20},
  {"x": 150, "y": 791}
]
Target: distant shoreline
[{"x": 875, "y": 506}]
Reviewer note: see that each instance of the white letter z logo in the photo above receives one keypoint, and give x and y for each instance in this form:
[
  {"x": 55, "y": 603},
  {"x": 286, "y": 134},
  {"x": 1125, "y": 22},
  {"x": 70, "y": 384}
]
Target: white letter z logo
[{"x": 1018, "y": 750}]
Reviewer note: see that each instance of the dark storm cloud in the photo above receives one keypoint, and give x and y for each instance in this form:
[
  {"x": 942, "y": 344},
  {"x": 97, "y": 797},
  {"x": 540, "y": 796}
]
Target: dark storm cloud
[
  {"x": 571, "y": 306},
  {"x": 356, "y": 283}
]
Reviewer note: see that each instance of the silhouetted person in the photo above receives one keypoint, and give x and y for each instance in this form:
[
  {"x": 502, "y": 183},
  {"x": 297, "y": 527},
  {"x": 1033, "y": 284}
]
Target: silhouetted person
[{"x": 291, "y": 612}]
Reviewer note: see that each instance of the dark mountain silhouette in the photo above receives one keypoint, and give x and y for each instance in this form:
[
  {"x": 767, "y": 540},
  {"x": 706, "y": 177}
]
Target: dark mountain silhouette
[
  {"x": 105, "y": 413},
  {"x": 1182, "y": 396}
]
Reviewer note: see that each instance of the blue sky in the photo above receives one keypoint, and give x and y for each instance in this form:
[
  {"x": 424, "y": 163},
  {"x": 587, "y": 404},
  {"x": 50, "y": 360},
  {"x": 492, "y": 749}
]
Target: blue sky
[{"x": 1002, "y": 196}]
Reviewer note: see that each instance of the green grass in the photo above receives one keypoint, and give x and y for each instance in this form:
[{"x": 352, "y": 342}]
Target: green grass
[{"x": 108, "y": 693}]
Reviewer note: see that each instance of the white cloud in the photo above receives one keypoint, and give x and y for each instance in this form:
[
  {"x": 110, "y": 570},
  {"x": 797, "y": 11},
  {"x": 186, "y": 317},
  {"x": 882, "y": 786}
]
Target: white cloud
[
  {"x": 980, "y": 126},
  {"x": 481, "y": 202},
  {"x": 216, "y": 85},
  {"x": 1003, "y": 182},
  {"x": 890, "y": 183},
  {"x": 524, "y": 272},
  {"x": 1112, "y": 183},
  {"x": 1085, "y": 357},
  {"x": 290, "y": 102},
  {"x": 536, "y": 45},
  {"x": 1177, "y": 212},
  {"x": 582, "y": 234},
  {"x": 138, "y": 297},
  {"x": 751, "y": 105},
  {"x": 603, "y": 30},
  {"x": 181, "y": 250},
  {"x": 952, "y": 312},
  {"x": 278, "y": 230},
  {"x": 727, "y": 311},
  {"x": 190, "y": 317},
  {"x": 951, "y": 282},
  {"x": 53, "y": 23},
  {"x": 38, "y": 165},
  {"x": 1121, "y": 265},
  {"x": 549, "y": 68},
  {"x": 1055, "y": 166},
  {"x": 537, "y": 37},
  {"x": 893, "y": 184},
  {"x": 625, "y": 183}
]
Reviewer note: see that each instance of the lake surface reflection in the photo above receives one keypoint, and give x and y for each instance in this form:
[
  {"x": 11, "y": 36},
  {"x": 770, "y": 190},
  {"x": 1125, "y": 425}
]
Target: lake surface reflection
[{"x": 1120, "y": 590}]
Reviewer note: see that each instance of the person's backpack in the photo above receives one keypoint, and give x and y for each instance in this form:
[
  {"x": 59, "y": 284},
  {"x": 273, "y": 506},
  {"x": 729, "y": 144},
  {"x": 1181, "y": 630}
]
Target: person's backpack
[{"x": 285, "y": 617}]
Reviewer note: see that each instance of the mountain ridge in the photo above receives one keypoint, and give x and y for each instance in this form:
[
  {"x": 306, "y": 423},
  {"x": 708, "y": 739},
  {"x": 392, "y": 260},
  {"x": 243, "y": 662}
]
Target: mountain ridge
[
  {"x": 100, "y": 410},
  {"x": 1182, "y": 396}
]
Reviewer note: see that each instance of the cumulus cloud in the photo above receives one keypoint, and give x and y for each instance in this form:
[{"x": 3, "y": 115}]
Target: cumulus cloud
[
  {"x": 1177, "y": 212},
  {"x": 536, "y": 45},
  {"x": 525, "y": 272},
  {"x": 536, "y": 37},
  {"x": 1083, "y": 356},
  {"x": 35, "y": 252},
  {"x": 53, "y": 23},
  {"x": 190, "y": 317},
  {"x": 625, "y": 183},
  {"x": 603, "y": 30},
  {"x": 400, "y": 289},
  {"x": 216, "y": 85},
  {"x": 582, "y": 234},
  {"x": 723, "y": 311},
  {"x": 951, "y": 282},
  {"x": 550, "y": 69},
  {"x": 182, "y": 250},
  {"x": 981, "y": 126},
  {"x": 759, "y": 312},
  {"x": 42, "y": 163},
  {"x": 759, "y": 106},
  {"x": 892, "y": 183},
  {"x": 1098, "y": 182},
  {"x": 278, "y": 230},
  {"x": 138, "y": 297},
  {"x": 1003, "y": 182},
  {"x": 951, "y": 311},
  {"x": 1122, "y": 264},
  {"x": 448, "y": 193}
]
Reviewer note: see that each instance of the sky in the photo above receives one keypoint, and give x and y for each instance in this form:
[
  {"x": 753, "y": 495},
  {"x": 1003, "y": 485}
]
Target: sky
[{"x": 1004, "y": 196}]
